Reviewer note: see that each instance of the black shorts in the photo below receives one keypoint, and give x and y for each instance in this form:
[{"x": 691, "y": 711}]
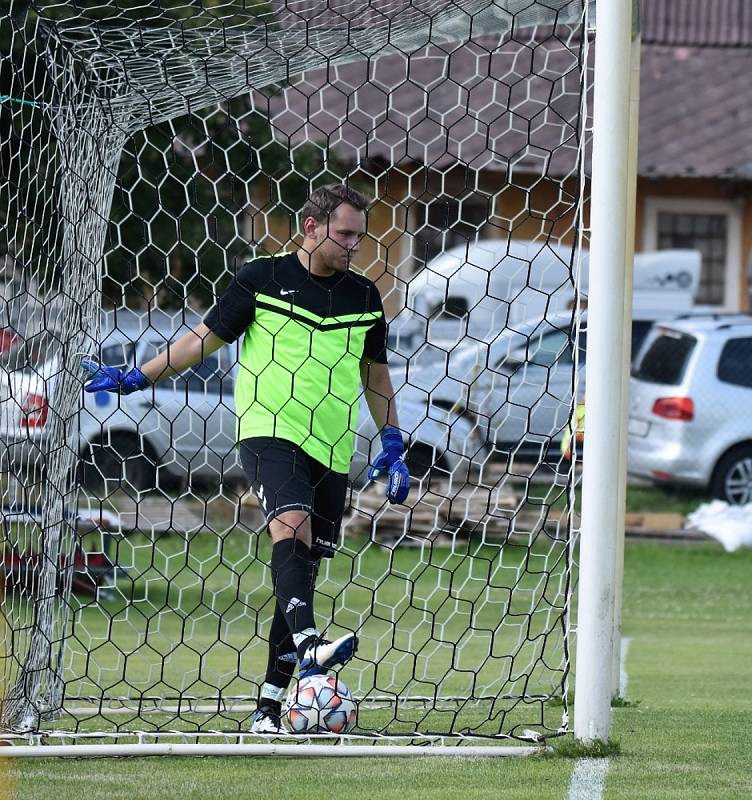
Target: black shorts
[{"x": 284, "y": 477}]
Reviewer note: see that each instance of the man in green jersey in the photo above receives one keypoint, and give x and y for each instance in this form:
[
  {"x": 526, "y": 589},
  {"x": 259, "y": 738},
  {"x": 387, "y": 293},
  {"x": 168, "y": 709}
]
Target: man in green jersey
[{"x": 313, "y": 332}]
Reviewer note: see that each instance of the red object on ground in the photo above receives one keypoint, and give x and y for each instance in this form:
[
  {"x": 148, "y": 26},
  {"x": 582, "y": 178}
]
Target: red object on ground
[{"x": 90, "y": 570}]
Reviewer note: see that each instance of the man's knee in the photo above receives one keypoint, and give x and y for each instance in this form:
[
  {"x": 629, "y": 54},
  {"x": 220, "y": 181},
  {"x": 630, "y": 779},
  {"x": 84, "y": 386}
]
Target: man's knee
[{"x": 294, "y": 524}]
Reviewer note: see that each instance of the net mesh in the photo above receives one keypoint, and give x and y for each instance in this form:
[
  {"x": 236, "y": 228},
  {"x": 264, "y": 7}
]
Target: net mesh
[{"x": 148, "y": 151}]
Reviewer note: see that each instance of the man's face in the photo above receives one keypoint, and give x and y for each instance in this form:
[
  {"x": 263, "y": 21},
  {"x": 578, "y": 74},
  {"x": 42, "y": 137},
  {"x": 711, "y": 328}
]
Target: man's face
[{"x": 337, "y": 239}]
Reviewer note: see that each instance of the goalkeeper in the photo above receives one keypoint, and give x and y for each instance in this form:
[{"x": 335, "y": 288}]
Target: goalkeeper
[{"x": 312, "y": 331}]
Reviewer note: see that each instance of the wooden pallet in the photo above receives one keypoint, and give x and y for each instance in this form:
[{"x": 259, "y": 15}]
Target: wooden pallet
[{"x": 443, "y": 512}]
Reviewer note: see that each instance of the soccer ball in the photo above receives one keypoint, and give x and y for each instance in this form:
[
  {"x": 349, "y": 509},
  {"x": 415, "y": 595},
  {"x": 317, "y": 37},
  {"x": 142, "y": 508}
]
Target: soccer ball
[{"x": 320, "y": 704}]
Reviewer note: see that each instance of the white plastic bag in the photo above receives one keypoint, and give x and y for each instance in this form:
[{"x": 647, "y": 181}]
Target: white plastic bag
[{"x": 730, "y": 525}]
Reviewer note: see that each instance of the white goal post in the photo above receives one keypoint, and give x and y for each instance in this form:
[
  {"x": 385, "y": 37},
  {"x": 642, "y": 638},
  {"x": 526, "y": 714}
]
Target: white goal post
[
  {"x": 145, "y": 155},
  {"x": 609, "y": 317}
]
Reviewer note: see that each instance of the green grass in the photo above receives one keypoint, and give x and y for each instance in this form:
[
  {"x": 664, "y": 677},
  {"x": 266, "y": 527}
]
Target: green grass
[
  {"x": 199, "y": 779},
  {"x": 569, "y": 747},
  {"x": 684, "y": 734},
  {"x": 640, "y": 499},
  {"x": 689, "y": 613},
  {"x": 186, "y": 617},
  {"x": 668, "y": 499}
]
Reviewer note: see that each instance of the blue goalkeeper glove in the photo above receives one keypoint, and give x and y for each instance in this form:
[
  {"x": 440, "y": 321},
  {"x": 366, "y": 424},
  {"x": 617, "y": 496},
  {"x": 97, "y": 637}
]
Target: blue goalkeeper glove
[
  {"x": 113, "y": 379},
  {"x": 391, "y": 462}
]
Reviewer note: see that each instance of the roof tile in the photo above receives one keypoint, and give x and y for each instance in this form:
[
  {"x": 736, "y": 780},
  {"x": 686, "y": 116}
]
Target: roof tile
[
  {"x": 720, "y": 23},
  {"x": 695, "y": 105}
]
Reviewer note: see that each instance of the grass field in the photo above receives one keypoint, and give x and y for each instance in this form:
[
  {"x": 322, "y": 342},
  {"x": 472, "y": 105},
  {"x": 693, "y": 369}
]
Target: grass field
[
  {"x": 186, "y": 618},
  {"x": 642, "y": 498},
  {"x": 685, "y": 733}
]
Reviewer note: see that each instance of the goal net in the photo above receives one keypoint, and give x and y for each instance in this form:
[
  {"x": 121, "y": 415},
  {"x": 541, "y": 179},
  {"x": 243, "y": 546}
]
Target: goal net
[{"x": 148, "y": 151}]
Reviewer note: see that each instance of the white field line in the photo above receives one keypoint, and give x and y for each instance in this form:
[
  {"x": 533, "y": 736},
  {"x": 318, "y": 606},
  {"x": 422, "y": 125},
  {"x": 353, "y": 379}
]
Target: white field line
[
  {"x": 588, "y": 779},
  {"x": 589, "y": 774}
]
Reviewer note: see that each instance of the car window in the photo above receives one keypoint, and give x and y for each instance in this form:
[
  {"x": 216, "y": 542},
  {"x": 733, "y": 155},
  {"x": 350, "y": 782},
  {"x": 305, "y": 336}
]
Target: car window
[
  {"x": 545, "y": 351},
  {"x": 549, "y": 349},
  {"x": 454, "y": 307},
  {"x": 213, "y": 374},
  {"x": 735, "y": 363},
  {"x": 510, "y": 347},
  {"x": 119, "y": 354},
  {"x": 640, "y": 330},
  {"x": 666, "y": 358}
]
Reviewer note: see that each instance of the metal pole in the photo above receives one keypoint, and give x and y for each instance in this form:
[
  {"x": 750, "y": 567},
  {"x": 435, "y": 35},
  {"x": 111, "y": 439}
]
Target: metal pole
[
  {"x": 264, "y": 750},
  {"x": 634, "y": 118},
  {"x": 602, "y": 473}
]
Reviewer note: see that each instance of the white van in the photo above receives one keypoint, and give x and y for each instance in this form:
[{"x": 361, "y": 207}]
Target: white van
[{"x": 479, "y": 290}]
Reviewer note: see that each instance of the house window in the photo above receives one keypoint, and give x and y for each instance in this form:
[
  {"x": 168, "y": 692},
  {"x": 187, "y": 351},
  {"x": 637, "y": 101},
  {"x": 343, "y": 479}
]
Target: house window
[
  {"x": 441, "y": 224},
  {"x": 707, "y": 233},
  {"x": 711, "y": 226}
]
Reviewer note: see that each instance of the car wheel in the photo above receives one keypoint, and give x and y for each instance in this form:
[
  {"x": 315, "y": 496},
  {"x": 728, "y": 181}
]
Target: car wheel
[
  {"x": 732, "y": 479},
  {"x": 114, "y": 461}
]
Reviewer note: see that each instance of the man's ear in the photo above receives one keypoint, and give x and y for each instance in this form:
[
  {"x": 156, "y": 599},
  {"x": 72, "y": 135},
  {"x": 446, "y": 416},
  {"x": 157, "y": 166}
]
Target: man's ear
[{"x": 309, "y": 228}]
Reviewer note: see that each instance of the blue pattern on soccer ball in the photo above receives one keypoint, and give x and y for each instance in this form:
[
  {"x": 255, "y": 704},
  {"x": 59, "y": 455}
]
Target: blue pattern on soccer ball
[{"x": 320, "y": 704}]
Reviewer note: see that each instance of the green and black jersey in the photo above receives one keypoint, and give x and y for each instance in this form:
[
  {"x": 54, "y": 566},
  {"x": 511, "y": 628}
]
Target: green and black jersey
[{"x": 304, "y": 338}]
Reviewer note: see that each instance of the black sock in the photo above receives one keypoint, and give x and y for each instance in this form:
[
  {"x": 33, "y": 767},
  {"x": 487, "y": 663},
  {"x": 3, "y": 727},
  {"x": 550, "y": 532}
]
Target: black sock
[
  {"x": 294, "y": 575},
  {"x": 271, "y": 707},
  {"x": 280, "y": 666}
]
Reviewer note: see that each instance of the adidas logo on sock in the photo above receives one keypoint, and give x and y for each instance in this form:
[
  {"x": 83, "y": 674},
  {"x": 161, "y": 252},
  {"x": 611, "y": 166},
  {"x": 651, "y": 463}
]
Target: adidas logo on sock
[
  {"x": 295, "y": 602},
  {"x": 291, "y": 658}
]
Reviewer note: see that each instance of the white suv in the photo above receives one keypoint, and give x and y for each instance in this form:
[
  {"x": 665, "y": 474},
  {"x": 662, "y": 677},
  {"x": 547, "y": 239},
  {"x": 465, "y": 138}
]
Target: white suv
[{"x": 691, "y": 394}]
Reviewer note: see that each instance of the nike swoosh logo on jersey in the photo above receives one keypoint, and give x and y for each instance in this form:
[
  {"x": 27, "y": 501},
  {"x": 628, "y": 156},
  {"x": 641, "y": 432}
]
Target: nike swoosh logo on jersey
[{"x": 287, "y": 291}]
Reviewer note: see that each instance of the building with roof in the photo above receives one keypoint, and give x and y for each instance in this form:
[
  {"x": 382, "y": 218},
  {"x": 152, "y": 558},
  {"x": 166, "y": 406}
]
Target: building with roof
[
  {"x": 454, "y": 153},
  {"x": 695, "y": 156}
]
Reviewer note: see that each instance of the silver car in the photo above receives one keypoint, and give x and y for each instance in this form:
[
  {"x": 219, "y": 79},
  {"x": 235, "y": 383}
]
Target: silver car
[
  {"x": 186, "y": 426},
  {"x": 516, "y": 390},
  {"x": 691, "y": 394}
]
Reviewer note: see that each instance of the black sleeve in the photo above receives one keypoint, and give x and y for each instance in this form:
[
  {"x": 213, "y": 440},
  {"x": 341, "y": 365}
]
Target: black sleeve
[
  {"x": 374, "y": 348},
  {"x": 236, "y": 307},
  {"x": 375, "y": 345}
]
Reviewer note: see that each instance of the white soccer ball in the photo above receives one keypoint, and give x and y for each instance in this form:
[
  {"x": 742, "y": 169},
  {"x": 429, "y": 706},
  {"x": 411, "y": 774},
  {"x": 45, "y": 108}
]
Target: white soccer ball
[{"x": 319, "y": 704}]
